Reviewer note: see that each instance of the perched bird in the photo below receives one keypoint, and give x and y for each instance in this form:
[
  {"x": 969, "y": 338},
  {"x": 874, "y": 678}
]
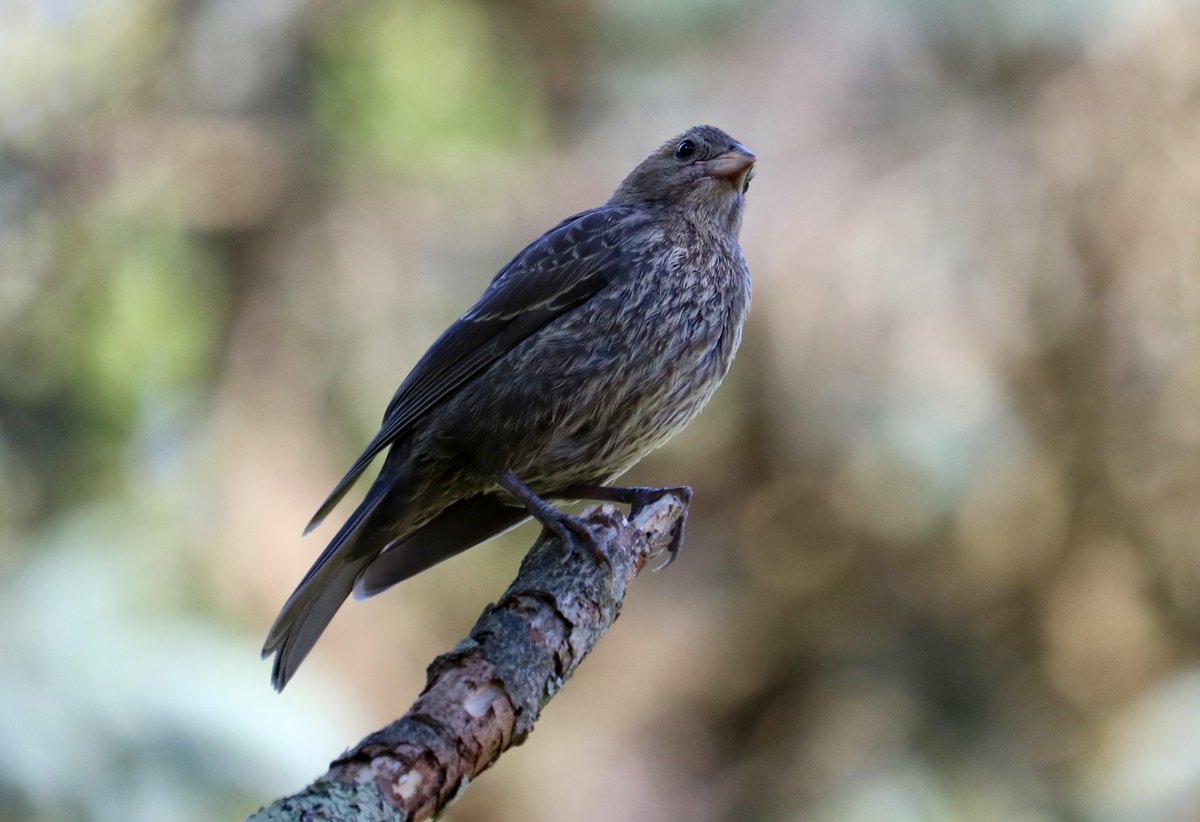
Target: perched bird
[{"x": 593, "y": 346}]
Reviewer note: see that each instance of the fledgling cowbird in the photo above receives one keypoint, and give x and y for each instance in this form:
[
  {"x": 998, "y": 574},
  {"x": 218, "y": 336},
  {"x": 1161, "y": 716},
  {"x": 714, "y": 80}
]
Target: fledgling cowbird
[{"x": 593, "y": 346}]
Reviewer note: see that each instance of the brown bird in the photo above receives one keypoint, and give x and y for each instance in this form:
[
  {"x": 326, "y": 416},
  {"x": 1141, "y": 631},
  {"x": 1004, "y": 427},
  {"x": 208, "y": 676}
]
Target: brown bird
[{"x": 593, "y": 346}]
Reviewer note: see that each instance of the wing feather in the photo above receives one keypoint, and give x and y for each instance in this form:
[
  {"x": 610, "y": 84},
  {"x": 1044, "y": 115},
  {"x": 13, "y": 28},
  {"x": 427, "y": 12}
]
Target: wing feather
[{"x": 555, "y": 273}]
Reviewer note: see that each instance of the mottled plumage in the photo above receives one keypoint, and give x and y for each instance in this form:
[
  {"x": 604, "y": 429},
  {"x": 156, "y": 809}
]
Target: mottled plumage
[{"x": 592, "y": 347}]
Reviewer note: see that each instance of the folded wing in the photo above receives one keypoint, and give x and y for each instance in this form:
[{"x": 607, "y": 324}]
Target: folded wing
[{"x": 555, "y": 273}]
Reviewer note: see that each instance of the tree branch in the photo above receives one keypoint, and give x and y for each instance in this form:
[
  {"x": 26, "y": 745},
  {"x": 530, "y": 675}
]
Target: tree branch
[{"x": 484, "y": 696}]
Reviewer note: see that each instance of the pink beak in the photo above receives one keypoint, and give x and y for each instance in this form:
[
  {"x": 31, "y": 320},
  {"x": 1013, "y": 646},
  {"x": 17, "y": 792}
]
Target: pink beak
[{"x": 730, "y": 165}]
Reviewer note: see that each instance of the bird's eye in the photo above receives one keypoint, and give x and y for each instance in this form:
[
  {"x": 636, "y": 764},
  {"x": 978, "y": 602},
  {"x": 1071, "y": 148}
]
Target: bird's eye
[{"x": 684, "y": 150}]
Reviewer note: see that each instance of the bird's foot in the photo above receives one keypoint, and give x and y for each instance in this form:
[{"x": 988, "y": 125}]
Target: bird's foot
[
  {"x": 676, "y": 539},
  {"x": 569, "y": 529},
  {"x": 638, "y": 497},
  {"x": 642, "y": 495}
]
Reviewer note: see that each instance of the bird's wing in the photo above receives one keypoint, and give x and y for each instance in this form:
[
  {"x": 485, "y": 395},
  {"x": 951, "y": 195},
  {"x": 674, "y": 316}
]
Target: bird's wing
[
  {"x": 460, "y": 526},
  {"x": 555, "y": 273}
]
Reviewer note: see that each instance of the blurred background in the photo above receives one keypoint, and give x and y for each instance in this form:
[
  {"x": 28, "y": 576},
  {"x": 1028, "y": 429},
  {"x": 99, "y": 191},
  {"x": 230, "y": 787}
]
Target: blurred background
[{"x": 944, "y": 555}]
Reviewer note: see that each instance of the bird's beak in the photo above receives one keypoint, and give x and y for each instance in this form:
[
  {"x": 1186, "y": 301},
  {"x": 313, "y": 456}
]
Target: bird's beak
[{"x": 731, "y": 165}]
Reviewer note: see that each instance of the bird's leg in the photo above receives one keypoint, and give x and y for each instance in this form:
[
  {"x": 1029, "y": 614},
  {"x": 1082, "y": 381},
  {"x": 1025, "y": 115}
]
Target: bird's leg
[
  {"x": 637, "y": 497},
  {"x": 568, "y": 528}
]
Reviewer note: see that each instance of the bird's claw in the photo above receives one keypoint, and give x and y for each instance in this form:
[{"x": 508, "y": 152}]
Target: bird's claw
[
  {"x": 569, "y": 529},
  {"x": 676, "y": 542},
  {"x": 644, "y": 495},
  {"x": 636, "y": 497}
]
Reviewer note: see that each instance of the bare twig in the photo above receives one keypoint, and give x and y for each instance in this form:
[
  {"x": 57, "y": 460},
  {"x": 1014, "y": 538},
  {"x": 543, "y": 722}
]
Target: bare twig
[{"x": 485, "y": 695}]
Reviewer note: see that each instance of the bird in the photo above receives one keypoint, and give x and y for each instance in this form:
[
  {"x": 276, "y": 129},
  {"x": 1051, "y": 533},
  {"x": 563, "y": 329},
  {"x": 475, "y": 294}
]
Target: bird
[{"x": 593, "y": 346}]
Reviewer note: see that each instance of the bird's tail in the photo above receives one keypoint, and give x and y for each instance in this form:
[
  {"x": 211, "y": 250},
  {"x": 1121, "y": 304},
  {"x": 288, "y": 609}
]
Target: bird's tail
[{"x": 324, "y": 588}]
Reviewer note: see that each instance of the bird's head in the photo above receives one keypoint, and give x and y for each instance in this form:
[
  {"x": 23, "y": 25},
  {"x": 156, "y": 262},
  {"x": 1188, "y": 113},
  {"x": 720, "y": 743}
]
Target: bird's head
[{"x": 703, "y": 171}]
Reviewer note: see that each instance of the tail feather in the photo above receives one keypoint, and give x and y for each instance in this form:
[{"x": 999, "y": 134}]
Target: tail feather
[
  {"x": 324, "y": 588},
  {"x": 462, "y": 525},
  {"x": 348, "y": 565}
]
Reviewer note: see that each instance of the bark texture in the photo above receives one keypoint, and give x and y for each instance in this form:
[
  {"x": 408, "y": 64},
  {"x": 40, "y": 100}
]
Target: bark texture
[{"x": 485, "y": 695}]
